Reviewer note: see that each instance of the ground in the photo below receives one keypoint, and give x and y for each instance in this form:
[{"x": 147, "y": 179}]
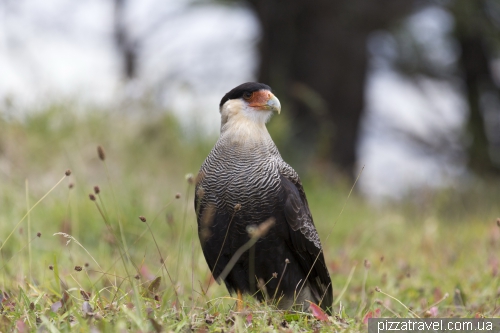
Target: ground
[{"x": 70, "y": 262}]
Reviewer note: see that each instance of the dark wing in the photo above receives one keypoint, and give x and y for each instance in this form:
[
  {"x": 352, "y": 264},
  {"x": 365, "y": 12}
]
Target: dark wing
[
  {"x": 209, "y": 221},
  {"x": 206, "y": 215},
  {"x": 304, "y": 237}
]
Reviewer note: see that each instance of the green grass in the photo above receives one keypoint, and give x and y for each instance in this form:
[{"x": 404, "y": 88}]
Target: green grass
[{"x": 416, "y": 252}]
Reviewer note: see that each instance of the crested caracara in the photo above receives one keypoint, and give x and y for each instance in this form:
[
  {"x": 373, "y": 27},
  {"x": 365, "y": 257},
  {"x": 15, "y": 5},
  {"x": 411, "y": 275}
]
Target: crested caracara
[{"x": 245, "y": 182}]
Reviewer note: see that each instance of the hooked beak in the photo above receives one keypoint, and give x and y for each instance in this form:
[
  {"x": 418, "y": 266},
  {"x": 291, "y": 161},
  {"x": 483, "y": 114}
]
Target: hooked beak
[{"x": 273, "y": 104}]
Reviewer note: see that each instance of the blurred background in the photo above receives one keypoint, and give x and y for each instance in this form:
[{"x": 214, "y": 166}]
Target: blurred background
[{"x": 409, "y": 90}]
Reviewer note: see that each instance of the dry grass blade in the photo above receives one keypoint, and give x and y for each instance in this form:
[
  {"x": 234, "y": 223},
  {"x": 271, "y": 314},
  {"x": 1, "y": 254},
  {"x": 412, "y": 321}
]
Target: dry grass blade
[
  {"x": 377, "y": 289},
  {"x": 29, "y": 211},
  {"x": 342, "y": 292}
]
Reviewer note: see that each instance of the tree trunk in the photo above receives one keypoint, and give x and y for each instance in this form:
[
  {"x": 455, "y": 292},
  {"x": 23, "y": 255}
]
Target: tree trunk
[
  {"x": 126, "y": 47},
  {"x": 313, "y": 54},
  {"x": 474, "y": 63}
]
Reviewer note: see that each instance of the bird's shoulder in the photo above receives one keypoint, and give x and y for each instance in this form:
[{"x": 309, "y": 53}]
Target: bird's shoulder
[{"x": 290, "y": 174}]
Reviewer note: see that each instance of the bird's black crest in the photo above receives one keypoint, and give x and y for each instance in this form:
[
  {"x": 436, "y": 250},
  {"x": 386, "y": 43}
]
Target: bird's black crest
[{"x": 241, "y": 89}]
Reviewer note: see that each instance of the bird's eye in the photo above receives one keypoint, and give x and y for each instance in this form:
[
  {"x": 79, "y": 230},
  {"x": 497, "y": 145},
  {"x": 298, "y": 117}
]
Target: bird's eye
[{"x": 247, "y": 95}]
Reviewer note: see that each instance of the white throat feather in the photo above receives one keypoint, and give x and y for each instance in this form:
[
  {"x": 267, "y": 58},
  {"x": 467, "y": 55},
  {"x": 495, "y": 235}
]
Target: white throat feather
[{"x": 242, "y": 124}]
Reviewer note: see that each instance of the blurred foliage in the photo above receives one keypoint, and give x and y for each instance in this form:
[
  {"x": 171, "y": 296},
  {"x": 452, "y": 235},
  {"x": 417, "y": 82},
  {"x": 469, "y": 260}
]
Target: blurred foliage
[
  {"x": 461, "y": 52},
  {"x": 314, "y": 56}
]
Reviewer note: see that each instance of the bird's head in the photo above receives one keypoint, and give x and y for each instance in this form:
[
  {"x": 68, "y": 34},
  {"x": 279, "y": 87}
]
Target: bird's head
[{"x": 249, "y": 102}]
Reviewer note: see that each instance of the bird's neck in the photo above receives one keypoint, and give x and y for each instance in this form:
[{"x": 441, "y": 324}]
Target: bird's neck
[{"x": 243, "y": 131}]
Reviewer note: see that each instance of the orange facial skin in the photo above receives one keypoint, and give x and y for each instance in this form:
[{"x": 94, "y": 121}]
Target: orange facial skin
[{"x": 259, "y": 99}]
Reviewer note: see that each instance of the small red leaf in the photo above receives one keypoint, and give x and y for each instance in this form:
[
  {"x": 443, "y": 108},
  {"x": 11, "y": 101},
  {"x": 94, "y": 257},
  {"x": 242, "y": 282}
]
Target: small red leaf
[
  {"x": 438, "y": 294},
  {"x": 249, "y": 318},
  {"x": 434, "y": 311},
  {"x": 146, "y": 272},
  {"x": 371, "y": 314},
  {"x": 65, "y": 298},
  {"x": 317, "y": 312},
  {"x": 367, "y": 316},
  {"x": 21, "y": 326}
]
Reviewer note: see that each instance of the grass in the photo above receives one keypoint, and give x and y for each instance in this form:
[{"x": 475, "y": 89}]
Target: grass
[{"x": 72, "y": 263}]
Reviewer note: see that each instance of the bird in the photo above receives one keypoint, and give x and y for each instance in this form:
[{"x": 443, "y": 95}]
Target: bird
[{"x": 244, "y": 188}]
